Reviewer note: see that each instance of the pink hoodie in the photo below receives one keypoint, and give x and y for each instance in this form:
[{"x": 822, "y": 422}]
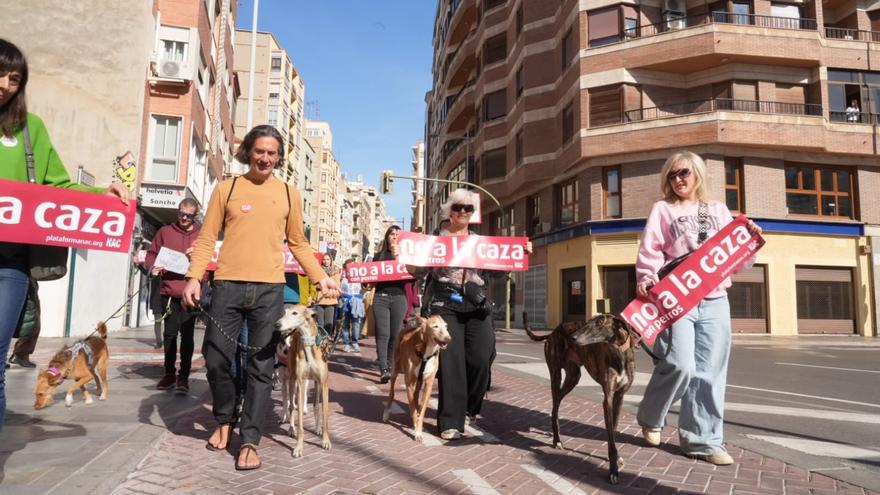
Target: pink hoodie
[{"x": 671, "y": 231}]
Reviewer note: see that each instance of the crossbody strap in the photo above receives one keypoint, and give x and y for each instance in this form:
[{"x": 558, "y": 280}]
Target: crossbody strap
[
  {"x": 29, "y": 154},
  {"x": 226, "y": 205},
  {"x": 703, "y": 216},
  {"x": 289, "y": 209}
]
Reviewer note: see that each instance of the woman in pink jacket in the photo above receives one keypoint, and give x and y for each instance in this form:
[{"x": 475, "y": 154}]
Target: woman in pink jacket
[{"x": 694, "y": 351}]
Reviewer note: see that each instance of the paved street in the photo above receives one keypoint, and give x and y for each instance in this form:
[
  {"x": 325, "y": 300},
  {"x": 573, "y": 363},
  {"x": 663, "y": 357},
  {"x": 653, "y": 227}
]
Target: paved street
[{"x": 145, "y": 441}]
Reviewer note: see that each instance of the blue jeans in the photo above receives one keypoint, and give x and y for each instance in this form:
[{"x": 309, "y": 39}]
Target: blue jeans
[
  {"x": 13, "y": 290},
  {"x": 694, "y": 354},
  {"x": 351, "y": 332}
]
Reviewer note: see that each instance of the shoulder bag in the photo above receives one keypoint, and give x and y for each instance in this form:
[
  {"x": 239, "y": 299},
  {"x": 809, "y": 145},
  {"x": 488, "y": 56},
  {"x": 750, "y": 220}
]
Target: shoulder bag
[{"x": 44, "y": 262}]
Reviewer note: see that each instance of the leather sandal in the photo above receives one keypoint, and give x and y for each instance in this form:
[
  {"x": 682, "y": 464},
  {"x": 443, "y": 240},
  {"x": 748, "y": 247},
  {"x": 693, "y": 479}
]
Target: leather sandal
[
  {"x": 220, "y": 429},
  {"x": 249, "y": 447}
]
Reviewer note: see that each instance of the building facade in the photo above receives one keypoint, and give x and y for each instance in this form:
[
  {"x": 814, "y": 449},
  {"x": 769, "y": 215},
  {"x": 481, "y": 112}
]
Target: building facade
[
  {"x": 329, "y": 178},
  {"x": 278, "y": 96},
  {"x": 417, "y": 221},
  {"x": 568, "y": 110}
]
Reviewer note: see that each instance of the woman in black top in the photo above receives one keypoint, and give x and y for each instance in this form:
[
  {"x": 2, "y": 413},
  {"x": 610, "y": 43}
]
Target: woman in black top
[{"x": 389, "y": 306}]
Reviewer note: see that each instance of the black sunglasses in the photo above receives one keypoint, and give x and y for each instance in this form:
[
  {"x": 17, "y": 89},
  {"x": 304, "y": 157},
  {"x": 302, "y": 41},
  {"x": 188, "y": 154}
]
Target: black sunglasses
[
  {"x": 458, "y": 208},
  {"x": 681, "y": 174},
  {"x": 183, "y": 214}
]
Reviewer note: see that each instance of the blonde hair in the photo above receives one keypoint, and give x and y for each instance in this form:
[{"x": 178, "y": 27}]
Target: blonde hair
[
  {"x": 458, "y": 196},
  {"x": 698, "y": 168}
]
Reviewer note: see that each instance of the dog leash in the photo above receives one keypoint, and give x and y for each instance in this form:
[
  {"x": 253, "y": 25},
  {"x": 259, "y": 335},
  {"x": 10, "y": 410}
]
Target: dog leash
[{"x": 228, "y": 337}]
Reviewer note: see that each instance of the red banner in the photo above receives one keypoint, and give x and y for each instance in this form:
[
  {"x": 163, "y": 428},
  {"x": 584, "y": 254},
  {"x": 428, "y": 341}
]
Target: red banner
[
  {"x": 465, "y": 251},
  {"x": 34, "y": 214},
  {"x": 290, "y": 263},
  {"x": 377, "y": 271},
  {"x": 683, "y": 288}
]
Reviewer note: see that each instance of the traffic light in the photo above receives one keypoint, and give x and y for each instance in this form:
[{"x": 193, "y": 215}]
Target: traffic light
[{"x": 386, "y": 182}]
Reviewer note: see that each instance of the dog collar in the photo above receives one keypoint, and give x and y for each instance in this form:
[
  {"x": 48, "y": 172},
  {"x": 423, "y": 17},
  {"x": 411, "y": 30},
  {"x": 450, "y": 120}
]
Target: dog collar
[{"x": 56, "y": 373}]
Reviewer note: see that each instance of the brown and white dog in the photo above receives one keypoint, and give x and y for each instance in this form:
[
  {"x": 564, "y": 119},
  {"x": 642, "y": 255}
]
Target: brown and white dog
[
  {"x": 604, "y": 346},
  {"x": 417, "y": 356},
  {"x": 82, "y": 362},
  {"x": 307, "y": 360}
]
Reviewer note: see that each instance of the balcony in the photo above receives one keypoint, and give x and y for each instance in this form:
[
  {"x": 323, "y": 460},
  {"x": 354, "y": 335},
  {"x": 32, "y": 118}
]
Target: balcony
[
  {"x": 721, "y": 105},
  {"x": 854, "y": 117},
  {"x": 851, "y": 34},
  {"x": 682, "y": 23},
  {"x": 451, "y": 119}
]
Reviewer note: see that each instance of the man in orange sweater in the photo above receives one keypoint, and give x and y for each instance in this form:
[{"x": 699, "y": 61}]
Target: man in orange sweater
[{"x": 256, "y": 212}]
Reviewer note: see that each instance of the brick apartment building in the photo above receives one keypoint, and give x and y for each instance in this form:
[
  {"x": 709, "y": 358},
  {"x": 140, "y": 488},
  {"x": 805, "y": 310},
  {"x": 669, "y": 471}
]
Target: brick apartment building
[{"x": 566, "y": 111}]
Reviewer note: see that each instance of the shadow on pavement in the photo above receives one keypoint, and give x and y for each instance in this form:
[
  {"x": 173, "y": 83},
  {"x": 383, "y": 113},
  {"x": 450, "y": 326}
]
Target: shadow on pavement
[{"x": 22, "y": 429}]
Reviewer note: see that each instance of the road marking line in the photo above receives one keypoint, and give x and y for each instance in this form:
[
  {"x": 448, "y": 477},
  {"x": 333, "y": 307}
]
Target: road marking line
[
  {"x": 804, "y": 413},
  {"x": 824, "y": 449},
  {"x": 540, "y": 370},
  {"x": 555, "y": 481},
  {"x": 474, "y": 482},
  {"x": 828, "y": 367},
  {"x": 867, "y": 404},
  {"x": 520, "y": 356}
]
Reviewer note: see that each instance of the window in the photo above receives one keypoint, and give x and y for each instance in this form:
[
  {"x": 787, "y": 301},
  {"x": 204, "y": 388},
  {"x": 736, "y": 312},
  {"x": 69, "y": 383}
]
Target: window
[
  {"x": 323, "y": 177},
  {"x": 508, "y": 226},
  {"x": 533, "y": 215},
  {"x": 567, "y": 203},
  {"x": 748, "y": 300},
  {"x": 606, "y": 106},
  {"x": 789, "y": 15},
  {"x": 491, "y": 4},
  {"x": 495, "y": 49},
  {"x": 611, "y": 207},
  {"x": 323, "y": 196},
  {"x": 519, "y": 148},
  {"x": 204, "y": 81},
  {"x": 741, "y": 12},
  {"x": 821, "y": 191},
  {"x": 495, "y": 105},
  {"x": 276, "y": 66},
  {"x": 166, "y": 148},
  {"x": 612, "y": 24},
  {"x": 494, "y": 163},
  {"x": 567, "y": 48},
  {"x": 174, "y": 50},
  {"x": 567, "y": 122},
  {"x": 519, "y": 82},
  {"x": 273, "y": 97},
  {"x": 273, "y": 116},
  {"x": 733, "y": 184}
]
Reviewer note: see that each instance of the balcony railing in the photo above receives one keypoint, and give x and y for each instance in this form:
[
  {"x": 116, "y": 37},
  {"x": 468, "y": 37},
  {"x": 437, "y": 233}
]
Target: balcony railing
[
  {"x": 851, "y": 34},
  {"x": 722, "y": 104},
  {"x": 450, "y": 100},
  {"x": 680, "y": 23},
  {"x": 854, "y": 117}
]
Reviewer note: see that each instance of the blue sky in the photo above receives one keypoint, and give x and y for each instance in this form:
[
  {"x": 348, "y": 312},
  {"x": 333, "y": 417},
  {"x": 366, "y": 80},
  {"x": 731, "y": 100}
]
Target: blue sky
[{"x": 368, "y": 65}]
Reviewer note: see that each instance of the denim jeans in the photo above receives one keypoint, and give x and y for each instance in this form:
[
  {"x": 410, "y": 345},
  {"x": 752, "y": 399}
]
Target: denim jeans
[
  {"x": 13, "y": 290},
  {"x": 239, "y": 363},
  {"x": 351, "y": 332},
  {"x": 261, "y": 305},
  {"x": 694, "y": 354}
]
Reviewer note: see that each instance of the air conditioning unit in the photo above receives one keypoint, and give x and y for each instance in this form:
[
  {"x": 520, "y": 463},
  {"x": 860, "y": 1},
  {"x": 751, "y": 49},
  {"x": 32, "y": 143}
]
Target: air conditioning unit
[
  {"x": 173, "y": 69},
  {"x": 678, "y": 6},
  {"x": 675, "y": 21},
  {"x": 543, "y": 227}
]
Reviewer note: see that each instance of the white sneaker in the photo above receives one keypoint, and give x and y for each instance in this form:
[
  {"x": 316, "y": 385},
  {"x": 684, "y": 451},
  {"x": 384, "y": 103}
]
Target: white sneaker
[
  {"x": 716, "y": 458},
  {"x": 651, "y": 436},
  {"x": 450, "y": 434},
  {"x": 347, "y": 348},
  {"x": 356, "y": 348},
  {"x": 469, "y": 420}
]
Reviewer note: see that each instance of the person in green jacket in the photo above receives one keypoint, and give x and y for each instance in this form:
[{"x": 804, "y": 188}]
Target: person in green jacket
[{"x": 49, "y": 170}]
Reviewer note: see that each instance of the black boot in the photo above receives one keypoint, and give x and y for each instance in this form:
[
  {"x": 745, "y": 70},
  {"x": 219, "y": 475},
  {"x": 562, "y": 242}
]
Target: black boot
[
  {"x": 24, "y": 362},
  {"x": 386, "y": 376}
]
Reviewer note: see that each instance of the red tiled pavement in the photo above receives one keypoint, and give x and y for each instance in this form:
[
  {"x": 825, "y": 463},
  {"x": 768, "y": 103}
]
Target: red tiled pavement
[{"x": 371, "y": 457}]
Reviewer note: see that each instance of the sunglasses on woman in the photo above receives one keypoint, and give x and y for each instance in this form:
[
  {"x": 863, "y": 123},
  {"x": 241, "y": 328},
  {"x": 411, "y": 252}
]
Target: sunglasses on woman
[
  {"x": 680, "y": 174},
  {"x": 458, "y": 208}
]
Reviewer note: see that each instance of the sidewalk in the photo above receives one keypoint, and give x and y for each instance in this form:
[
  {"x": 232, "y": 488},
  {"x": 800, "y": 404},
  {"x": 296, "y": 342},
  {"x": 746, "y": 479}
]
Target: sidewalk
[{"x": 146, "y": 441}]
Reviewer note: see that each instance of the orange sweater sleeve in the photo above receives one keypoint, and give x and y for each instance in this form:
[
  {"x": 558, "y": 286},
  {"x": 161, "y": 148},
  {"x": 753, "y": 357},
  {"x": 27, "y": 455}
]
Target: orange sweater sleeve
[{"x": 297, "y": 241}]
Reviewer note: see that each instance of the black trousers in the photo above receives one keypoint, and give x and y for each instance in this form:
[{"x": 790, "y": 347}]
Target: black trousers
[
  {"x": 324, "y": 316},
  {"x": 261, "y": 305},
  {"x": 388, "y": 313},
  {"x": 183, "y": 322},
  {"x": 465, "y": 366}
]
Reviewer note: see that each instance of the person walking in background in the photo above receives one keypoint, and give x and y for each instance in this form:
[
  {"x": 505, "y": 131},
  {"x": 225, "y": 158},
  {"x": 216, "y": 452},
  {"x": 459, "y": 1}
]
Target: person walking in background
[
  {"x": 256, "y": 212},
  {"x": 28, "y": 330},
  {"x": 178, "y": 236},
  {"x": 353, "y": 311},
  {"x": 389, "y": 306},
  {"x": 694, "y": 352},
  {"x": 325, "y": 310},
  {"x": 21, "y": 132}
]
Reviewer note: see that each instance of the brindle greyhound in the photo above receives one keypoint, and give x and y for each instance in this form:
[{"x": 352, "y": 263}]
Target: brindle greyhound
[{"x": 604, "y": 346}]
